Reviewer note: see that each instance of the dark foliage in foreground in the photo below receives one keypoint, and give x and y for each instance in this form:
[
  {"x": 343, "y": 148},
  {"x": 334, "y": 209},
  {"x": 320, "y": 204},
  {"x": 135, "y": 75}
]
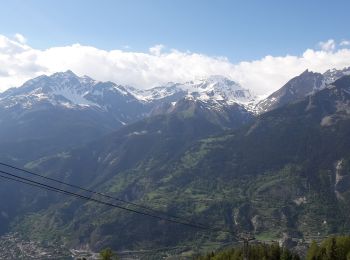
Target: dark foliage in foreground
[
  {"x": 253, "y": 252},
  {"x": 335, "y": 247}
]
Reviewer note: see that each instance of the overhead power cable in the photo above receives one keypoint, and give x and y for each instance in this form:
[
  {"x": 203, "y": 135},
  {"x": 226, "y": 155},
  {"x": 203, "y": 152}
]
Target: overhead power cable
[
  {"x": 77, "y": 187},
  {"x": 16, "y": 178},
  {"x": 58, "y": 190},
  {"x": 97, "y": 193}
]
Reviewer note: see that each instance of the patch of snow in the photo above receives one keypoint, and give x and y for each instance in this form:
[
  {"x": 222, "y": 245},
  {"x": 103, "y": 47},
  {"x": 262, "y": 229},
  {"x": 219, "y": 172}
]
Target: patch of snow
[
  {"x": 156, "y": 93},
  {"x": 143, "y": 132},
  {"x": 121, "y": 90},
  {"x": 73, "y": 97},
  {"x": 213, "y": 88}
]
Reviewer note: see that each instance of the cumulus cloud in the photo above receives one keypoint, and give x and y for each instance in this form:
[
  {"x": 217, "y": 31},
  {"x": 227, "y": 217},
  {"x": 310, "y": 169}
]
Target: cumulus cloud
[
  {"x": 327, "y": 45},
  {"x": 157, "y": 49},
  {"x": 344, "y": 43},
  {"x": 20, "y": 62},
  {"x": 20, "y": 38}
]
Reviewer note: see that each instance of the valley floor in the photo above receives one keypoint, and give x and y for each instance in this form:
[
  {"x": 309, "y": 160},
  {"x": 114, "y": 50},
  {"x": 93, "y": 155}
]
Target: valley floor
[{"x": 13, "y": 246}]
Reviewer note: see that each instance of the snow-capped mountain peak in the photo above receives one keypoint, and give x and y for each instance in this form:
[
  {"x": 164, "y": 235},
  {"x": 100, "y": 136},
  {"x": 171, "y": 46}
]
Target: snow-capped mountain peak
[
  {"x": 215, "y": 88},
  {"x": 156, "y": 93},
  {"x": 67, "y": 90},
  {"x": 334, "y": 74},
  {"x": 305, "y": 84},
  {"x": 64, "y": 75},
  {"x": 64, "y": 89},
  {"x": 217, "y": 80},
  {"x": 218, "y": 88}
]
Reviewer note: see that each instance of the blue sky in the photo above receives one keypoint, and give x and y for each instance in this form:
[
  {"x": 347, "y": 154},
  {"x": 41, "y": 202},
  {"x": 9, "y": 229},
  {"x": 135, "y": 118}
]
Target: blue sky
[
  {"x": 238, "y": 30},
  {"x": 260, "y": 44}
]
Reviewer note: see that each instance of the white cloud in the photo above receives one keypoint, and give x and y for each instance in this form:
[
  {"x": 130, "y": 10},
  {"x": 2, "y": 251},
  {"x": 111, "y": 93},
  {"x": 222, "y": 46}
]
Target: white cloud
[
  {"x": 20, "y": 38},
  {"x": 20, "y": 62},
  {"x": 157, "y": 49},
  {"x": 344, "y": 43},
  {"x": 328, "y": 45}
]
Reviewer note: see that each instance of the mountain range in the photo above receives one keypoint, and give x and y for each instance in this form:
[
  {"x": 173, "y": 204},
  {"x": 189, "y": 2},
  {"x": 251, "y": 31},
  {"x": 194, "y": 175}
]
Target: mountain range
[
  {"x": 51, "y": 113},
  {"x": 208, "y": 150}
]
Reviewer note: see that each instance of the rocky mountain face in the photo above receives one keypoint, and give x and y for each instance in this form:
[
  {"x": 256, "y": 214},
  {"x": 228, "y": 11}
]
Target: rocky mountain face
[
  {"x": 214, "y": 88},
  {"x": 284, "y": 174},
  {"x": 215, "y": 93},
  {"x": 67, "y": 90},
  {"x": 51, "y": 113},
  {"x": 297, "y": 88}
]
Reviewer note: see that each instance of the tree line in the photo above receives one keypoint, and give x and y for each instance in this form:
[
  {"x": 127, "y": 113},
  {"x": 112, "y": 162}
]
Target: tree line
[{"x": 332, "y": 248}]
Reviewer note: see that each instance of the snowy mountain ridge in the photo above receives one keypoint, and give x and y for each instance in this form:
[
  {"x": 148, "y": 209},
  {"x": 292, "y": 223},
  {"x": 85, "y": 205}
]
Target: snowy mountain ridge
[
  {"x": 67, "y": 90},
  {"x": 60, "y": 89},
  {"x": 216, "y": 91},
  {"x": 298, "y": 87}
]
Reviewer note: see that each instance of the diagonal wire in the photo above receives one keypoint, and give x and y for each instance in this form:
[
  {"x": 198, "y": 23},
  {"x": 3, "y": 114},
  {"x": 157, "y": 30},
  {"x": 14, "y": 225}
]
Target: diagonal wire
[
  {"x": 97, "y": 193},
  {"x": 27, "y": 181}
]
